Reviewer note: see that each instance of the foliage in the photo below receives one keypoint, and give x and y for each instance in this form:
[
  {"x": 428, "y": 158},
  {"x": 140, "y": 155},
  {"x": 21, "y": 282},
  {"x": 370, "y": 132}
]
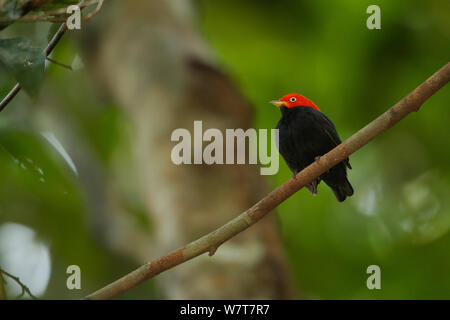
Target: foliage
[{"x": 24, "y": 62}]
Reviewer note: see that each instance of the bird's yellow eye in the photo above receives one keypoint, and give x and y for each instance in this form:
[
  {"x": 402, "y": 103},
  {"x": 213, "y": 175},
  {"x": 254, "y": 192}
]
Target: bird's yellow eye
[{"x": 293, "y": 99}]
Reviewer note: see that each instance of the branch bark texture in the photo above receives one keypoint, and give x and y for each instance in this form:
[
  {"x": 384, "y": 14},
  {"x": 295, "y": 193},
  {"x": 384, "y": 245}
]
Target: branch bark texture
[{"x": 210, "y": 242}]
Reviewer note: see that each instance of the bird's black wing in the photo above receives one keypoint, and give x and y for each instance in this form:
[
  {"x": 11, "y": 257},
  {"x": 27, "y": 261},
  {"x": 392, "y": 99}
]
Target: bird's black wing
[{"x": 330, "y": 130}]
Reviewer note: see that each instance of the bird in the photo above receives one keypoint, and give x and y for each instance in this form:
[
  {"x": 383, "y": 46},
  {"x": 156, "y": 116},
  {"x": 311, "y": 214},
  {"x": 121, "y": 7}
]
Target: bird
[{"x": 304, "y": 135}]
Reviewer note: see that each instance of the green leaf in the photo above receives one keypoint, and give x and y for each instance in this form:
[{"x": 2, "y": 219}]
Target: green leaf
[{"x": 24, "y": 62}]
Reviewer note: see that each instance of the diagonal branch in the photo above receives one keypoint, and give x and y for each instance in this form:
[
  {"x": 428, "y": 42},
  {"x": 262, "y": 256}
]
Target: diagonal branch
[{"x": 210, "y": 242}]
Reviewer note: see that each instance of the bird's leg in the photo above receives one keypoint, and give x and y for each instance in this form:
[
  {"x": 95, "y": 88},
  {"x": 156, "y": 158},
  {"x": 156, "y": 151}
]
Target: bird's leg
[{"x": 294, "y": 174}]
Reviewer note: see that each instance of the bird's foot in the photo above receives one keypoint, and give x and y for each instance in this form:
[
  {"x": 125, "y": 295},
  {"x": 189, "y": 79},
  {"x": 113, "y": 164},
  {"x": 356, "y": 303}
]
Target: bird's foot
[{"x": 317, "y": 158}]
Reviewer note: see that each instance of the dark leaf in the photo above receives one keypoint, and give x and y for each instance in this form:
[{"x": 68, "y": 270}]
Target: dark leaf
[{"x": 24, "y": 62}]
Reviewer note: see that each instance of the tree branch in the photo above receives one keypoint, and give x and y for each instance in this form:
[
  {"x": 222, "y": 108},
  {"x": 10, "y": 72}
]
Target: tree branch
[{"x": 210, "y": 242}]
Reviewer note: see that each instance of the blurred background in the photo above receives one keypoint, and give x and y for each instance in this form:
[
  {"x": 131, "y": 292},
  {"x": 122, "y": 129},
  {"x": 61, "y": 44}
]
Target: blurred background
[{"x": 86, "y": 177}]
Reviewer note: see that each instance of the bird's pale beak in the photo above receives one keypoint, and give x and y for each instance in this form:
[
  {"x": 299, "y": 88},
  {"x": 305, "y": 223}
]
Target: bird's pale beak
[{"x": 278, "y": 103}]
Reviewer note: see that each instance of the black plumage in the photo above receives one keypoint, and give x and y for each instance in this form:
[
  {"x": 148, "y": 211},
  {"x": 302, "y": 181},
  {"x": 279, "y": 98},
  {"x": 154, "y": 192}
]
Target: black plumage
[{"x": 305, "y": 134}]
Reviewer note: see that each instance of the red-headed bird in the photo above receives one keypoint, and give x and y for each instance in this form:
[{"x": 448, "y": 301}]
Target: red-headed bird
[{"x": 305, "y": 134}]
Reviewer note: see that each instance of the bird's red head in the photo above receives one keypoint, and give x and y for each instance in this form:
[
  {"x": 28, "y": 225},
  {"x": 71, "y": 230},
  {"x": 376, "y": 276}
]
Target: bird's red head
[{"x": 294, "y": 100}]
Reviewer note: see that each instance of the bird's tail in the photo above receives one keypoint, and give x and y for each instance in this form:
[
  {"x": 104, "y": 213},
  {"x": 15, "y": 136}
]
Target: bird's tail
[{"x": 343, "y": 190}]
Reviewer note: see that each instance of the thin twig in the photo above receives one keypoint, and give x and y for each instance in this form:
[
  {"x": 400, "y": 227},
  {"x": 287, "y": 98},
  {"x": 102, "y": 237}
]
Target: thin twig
[
  {"x": 14, "y": 91},
  {"x": 210, "y": 242},
  {"x": 65, "y": 66},
  {"x": 24, "y": 288},
  {"x": 58, "y": 35},
  {"x": 93, "y": 13}
]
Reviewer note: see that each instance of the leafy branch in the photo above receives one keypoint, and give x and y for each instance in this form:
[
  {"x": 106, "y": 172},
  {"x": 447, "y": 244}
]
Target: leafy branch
[
  {"x": 52, "y": 44},
  {"x": 210, "y": 242},
  {"x": 29, "y": 53},
  {"x": 24, "y": 288},
  {"x": 16, "y": 10},
  {"x": 56, "y": 15}
]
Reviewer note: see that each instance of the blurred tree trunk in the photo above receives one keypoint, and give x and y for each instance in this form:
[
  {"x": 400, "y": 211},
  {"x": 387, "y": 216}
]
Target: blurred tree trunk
[{"x": 148, "y": 56}]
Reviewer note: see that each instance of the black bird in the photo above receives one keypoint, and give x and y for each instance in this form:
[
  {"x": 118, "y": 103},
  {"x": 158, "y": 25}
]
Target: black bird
[{"x": 305, "y": 134}]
